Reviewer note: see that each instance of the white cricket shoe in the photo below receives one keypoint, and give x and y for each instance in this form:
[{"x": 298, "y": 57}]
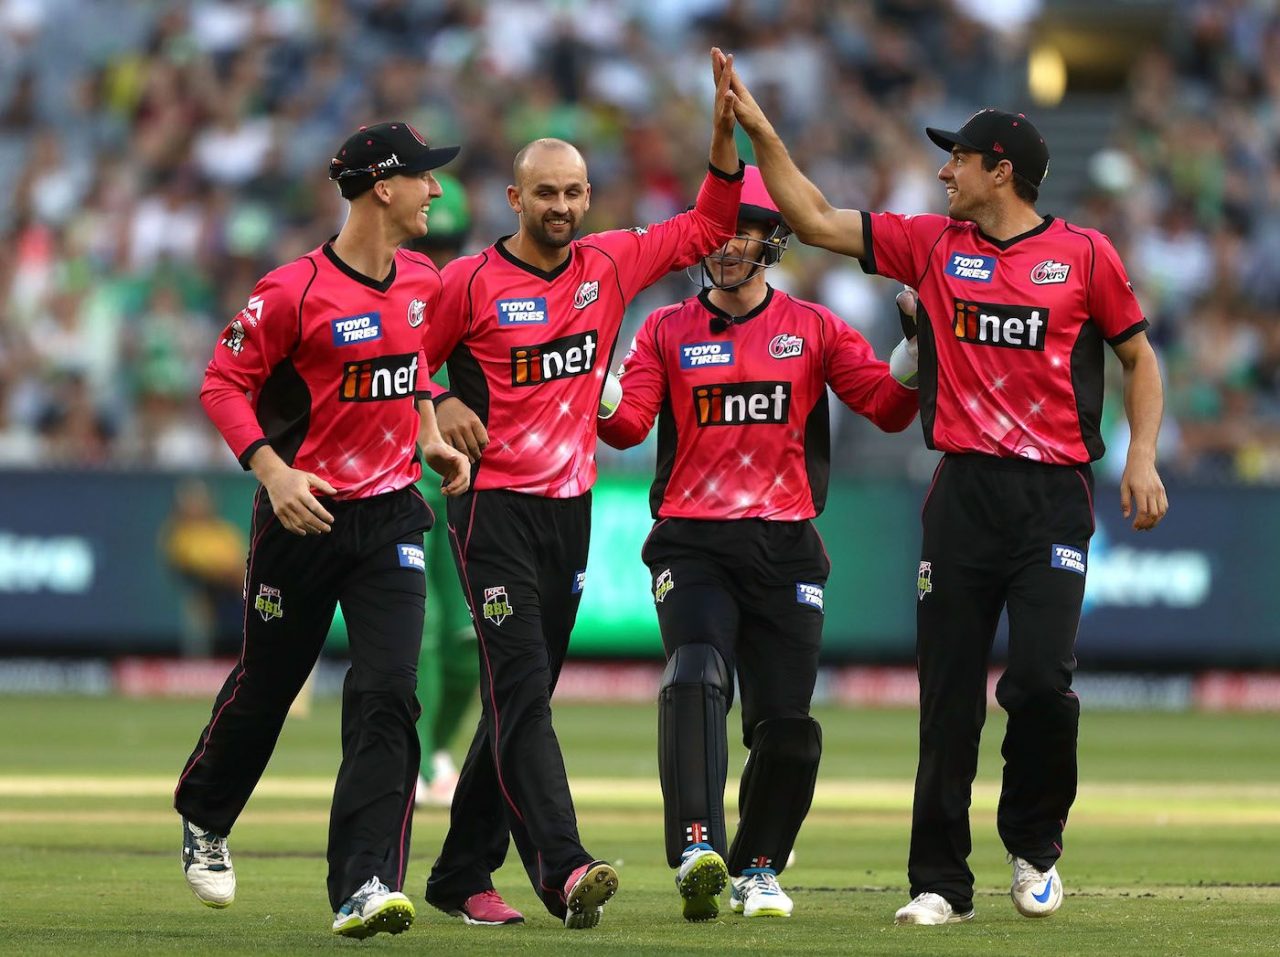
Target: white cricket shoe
[
  {"x": 1035, "y": 893},
  {"x": 373, "y": 909},
  {"x": 700, "y": 879},
  {"x": 930, "y": 908},
  {"x": 207, "y": 864},
  {"x": 757, "y": 893}
]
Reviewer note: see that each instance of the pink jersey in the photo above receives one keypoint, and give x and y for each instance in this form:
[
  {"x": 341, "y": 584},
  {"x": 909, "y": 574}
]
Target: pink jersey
[
  {"x": 322, "y": 365},
  {"x": 528, "y": 350},
  {"x": 1011, "y": 335},
  {"x": 742, "y": 413}
]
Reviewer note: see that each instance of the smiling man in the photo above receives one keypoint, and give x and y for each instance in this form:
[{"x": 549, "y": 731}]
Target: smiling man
[
  {"x": 1013, "y": 310},
  {"x": 528, "y": 327}
]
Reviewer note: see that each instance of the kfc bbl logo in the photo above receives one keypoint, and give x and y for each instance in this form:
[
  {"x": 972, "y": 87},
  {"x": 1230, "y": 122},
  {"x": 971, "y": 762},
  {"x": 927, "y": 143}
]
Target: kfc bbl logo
[
  {"x": 924, "y": 580},
  {"x": 662, "y": 585},
  {"x": 496, "y": 607},
  {"x": 269, "y": 604}
]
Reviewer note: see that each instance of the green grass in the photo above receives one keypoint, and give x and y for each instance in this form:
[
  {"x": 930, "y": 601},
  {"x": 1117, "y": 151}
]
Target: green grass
[{"x": 1173, "y": 848}]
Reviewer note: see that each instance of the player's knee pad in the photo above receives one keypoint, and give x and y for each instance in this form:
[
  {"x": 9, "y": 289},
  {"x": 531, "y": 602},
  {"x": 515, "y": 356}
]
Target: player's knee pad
[
  {"x": 693, "y": 747},
  {"x": 776, "y": 791}
]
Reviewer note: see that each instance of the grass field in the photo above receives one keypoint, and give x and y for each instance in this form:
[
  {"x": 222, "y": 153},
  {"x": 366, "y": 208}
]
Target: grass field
[{"x": 1173, "y": 847}]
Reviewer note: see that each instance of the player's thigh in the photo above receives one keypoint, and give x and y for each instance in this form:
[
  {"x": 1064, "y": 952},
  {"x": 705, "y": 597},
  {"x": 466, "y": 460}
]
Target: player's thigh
[
  {"x": 695, "y": 604},
  {"x": 780, "y": 640},
  {"x": 383, "y": 602}
]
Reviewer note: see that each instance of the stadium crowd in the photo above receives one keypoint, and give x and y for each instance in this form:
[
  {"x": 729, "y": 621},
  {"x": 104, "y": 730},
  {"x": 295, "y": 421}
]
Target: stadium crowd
[{"x": 162, "y": 155}]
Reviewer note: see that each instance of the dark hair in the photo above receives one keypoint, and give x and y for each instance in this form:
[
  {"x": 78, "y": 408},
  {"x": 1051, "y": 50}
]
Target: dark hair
[
  {"x": 352, "y": 186},
  {"x": 1023, "y": 188}
]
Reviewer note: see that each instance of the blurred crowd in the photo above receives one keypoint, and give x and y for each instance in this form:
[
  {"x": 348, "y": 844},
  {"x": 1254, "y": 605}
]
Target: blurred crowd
[{"x": 163, "y": 155}]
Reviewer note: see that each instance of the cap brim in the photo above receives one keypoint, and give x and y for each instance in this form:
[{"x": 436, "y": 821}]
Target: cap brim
[
  {"x": 947, "y": 140},
  {"x": 432, "y": 159}
]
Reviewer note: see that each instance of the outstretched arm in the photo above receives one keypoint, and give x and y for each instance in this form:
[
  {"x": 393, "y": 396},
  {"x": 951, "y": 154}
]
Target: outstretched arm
[{"x": 814, "y": 220}]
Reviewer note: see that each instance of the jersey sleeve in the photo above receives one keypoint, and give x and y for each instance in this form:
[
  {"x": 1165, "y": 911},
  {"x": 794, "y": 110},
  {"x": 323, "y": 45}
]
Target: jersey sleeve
[
  {"x": 898, "y": 246},
  {"x": 862, "y": 381},
  {"x": 644, "y": 387},
  {"x": 252, "y": 345},
  {"x": 1112, "y": 304},
  {"x": 447, "y": 323},
  {"x": 646, "y": 254}
]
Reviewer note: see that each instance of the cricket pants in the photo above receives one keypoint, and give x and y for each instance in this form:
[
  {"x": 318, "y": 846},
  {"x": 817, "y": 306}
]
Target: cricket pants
[
  {"x": 998, "y": 534},
  {"x": 522, "y": 560},
  {"x": 371, "y": 562}
]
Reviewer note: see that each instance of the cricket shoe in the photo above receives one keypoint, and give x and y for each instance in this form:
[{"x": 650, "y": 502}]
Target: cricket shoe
[
  {"x": 207, "y": 864},
  {"x": 586, "y": 891},
  {"x": 373, "y": 909},
  {"x": 700, "y": 879},
  {"x": 484, "y": 909},
  {"x": 930, "y": 908},
  {"x": 1035, "y": 893},
  {"x": 757, "y": 893}
]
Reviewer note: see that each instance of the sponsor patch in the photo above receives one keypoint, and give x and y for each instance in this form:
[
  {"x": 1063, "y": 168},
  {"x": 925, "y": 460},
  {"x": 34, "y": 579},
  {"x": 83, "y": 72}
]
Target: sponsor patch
[
  {"x": 579, "y": 581},
  {"x": 996, "y": 324},
  {"x": 233, "y": 338},
  {"x": 785, "y": 346},
  {"x": 252, "y": 313},
  {"x": 587, "y": 293},
  {"x": 349, "y": 330},
  {"x": 417, "y": 313},
  {"x": 378, "y": 379},
  {"x": 924, "y": 580},
  {"x": 662, "y": 585},
  {"x": 742, "y": 403},
  {"x": 558, "y": 359},
  {"x": 522, "y": 312},
  {"x": 269, "y": 604},
  {"x": 972, "y": 267},
  {"x": 1049, "y": 272},
  {"x": 412, "y": 556},
  {"x": 496, "y": 607},
  {"x": 695, "y": 355},
  {"x": 1068, "y": 557},
  {"x": 808, "y": 594}
]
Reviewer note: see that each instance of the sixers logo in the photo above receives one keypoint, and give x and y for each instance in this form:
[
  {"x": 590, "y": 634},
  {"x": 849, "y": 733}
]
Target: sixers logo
[
  {"x": 1049, "y": 272},
  {"x": 785, "y": 346}
]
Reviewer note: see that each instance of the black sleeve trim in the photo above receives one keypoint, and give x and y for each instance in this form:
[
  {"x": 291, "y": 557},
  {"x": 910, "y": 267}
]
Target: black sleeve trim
[
  {"x": 437, "y": 399},
  {"x": 247, "y": 454},
  {"x": 1129, "y": 333},
  {"x": 731, "y": 177},
  {"x": 868, "y": 260}
]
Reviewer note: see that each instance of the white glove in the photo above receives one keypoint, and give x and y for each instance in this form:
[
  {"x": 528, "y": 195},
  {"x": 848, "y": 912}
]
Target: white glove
[
  {"x": 903, "y": 362},
  {"x": 611, "y": 397}
]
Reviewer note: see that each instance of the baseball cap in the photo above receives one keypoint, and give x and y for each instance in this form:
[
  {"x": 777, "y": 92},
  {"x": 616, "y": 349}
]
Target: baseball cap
[
  {"x": 1009, "y": 136},
  {"x": 384, "y": 149}
]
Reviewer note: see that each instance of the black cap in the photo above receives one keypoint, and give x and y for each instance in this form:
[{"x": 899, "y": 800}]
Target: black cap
[
  {"x": 384, "y": 149},
  {"x": 1009, "y": 136}
]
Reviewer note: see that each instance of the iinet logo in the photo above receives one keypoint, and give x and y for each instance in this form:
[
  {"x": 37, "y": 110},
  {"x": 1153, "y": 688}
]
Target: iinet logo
[
  {"x": 558, "y": 359},
  {"x": 993, "y": 324},
  {"x": 742, "y": 403}
]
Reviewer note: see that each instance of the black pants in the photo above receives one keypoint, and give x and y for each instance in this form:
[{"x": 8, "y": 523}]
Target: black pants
[
  {"x": 998, "y": 533},
  {"x": 371, "y": 563},
  {"x": 736, "y": 585},
  {"x": 522, "y": 560}
]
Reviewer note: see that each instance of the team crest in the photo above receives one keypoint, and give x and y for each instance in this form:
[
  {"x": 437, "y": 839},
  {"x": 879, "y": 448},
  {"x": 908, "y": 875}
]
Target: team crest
[
  {"x": 785, "y": 346},
  {"x": 417, "y": 313},
  {"x": 496, "y": 607},
  {"x": 587, "y": 293},
  {"x": 924, "y": 580},
  {"x": 662, "y": 585},
  {"x": 269, "y": 604},
  {"x": 1050, "y": 272},
  {"x": 234, "y": 338}
]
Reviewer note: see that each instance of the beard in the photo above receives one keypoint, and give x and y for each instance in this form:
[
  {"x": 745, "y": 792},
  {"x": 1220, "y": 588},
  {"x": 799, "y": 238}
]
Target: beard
[{"x": 540, "y": 233}]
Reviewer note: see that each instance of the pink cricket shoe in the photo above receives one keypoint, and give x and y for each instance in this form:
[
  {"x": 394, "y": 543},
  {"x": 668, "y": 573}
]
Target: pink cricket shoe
[
  {"x": 586, "y": 891},
  {"x": 487, "y": 909}
]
